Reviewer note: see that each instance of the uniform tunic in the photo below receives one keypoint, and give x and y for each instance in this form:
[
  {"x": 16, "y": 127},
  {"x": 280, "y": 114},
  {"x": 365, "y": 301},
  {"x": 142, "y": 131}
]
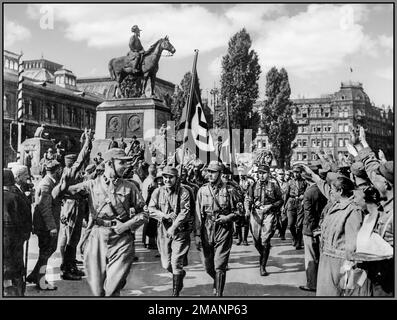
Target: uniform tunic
[
  {"x": 108, "y": 256},
  {"x": 263, "y": 224},
  {"x": 172, "y": 249},
  {"x": 217, "y": 238}
]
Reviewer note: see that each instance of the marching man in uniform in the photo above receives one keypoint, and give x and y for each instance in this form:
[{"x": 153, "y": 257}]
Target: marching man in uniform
[
  {"x": 171, "y": 206},
  {"x": 116, "y": 210},
  {"x": 215, "y": 213},
  {"x": 263, "y": 200}
]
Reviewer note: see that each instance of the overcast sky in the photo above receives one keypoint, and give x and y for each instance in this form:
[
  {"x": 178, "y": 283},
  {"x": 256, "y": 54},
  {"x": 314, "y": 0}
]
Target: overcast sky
[{"x": 316, "y": 43}]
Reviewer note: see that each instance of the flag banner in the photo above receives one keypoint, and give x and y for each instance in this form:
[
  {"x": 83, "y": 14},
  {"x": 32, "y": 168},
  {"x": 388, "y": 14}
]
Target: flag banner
[{"x": 196, "y": 122}]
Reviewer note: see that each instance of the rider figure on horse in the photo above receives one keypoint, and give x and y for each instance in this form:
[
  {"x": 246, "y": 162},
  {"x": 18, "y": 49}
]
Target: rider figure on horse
[{"x": 136, "y": 51}]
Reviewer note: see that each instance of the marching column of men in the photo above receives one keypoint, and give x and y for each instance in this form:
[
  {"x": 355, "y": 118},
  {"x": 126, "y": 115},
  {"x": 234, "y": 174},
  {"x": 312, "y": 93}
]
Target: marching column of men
[{"x": 203, "y": 201}]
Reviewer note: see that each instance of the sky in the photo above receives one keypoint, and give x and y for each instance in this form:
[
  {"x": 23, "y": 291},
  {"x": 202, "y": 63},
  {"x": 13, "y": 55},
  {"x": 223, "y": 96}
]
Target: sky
[{"x": 317, "y": 44}]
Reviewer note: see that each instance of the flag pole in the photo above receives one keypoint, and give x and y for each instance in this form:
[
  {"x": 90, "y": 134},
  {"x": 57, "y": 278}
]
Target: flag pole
[
  {"x": 20, "y": 106},
  {"x": 230, "y": 135},
  {"x": 189, "y": 102}
]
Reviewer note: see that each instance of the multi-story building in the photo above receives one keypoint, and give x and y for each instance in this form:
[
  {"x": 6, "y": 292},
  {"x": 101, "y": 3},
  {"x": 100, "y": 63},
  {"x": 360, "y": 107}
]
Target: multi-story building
[
  {"x": 324, "y": 124},
  {"x": 50, "y": 97}
]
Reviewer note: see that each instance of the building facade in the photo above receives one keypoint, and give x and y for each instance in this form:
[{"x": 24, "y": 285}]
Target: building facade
[
  {"x": 324, "y": 124},
  {"x": 50, "y": 97}
]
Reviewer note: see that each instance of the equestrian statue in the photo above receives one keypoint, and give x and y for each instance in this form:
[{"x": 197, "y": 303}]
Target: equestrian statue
[{"x": 138, "y": 64}]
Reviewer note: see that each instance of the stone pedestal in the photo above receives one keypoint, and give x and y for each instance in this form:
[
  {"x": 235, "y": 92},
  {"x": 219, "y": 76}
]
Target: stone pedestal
[
  {"x": 140, "y": 117},
  {"x": 37, "y": 147}
]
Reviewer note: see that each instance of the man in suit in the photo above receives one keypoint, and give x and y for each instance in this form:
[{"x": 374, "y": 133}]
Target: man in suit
[
  {"x": 17, "y": 225},
  {"x": 46, "y": 223}
]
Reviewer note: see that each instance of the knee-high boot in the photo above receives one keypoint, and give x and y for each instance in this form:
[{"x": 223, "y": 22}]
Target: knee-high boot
[
  {"x": 239, "y": 232},
  {"x": 177, "y": 283},
  {"x": 264, "y": 258},
  {"x": 220, "y": 282},
  {"x": 245, "y": 235}
]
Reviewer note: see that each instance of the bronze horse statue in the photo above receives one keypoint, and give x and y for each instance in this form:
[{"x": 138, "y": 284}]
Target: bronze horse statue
[{"x": 149, "y": 68}]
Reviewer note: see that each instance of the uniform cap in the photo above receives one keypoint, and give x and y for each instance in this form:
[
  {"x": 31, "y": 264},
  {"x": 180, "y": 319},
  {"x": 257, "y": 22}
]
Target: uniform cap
[
  {"x": 8, "y": 178},
  {"x": 263, "y": 168},
  {"x": 215, "y": 166},
  {"x": 115, "y": 153},
  {"x": 171, "y": 171}
]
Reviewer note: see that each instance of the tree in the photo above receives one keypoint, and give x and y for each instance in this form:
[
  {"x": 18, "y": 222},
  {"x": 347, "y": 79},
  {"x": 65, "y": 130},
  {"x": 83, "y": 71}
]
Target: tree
[
  {"x": 277, "y": 122},
  {"x": 180, "y": 97},
  {"x": 240, "y": 73}
]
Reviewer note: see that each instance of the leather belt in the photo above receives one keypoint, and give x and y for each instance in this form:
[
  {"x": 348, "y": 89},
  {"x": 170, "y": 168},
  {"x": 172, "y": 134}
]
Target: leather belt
[{"x": 105, "y": 223}]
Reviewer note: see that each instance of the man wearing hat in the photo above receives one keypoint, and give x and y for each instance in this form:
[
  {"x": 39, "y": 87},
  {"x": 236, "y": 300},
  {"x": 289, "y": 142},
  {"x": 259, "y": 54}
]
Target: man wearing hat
[
  {"x": 17, "y": 225},
  {"x": 46, "y": 222},
  {"x": 242, "y": 226},
  {"x": 215, "y": 213},
  {"x": 293, "y": 199},
  {"x": 116, "y": 208},
  {"x": 72, "y": 213},
  {"x": 170, "y": 205},
  {"x": 263, "y": 201},
  {"x": 136, "y": 50}
]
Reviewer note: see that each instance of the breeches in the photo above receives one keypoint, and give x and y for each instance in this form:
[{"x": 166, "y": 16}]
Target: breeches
[
  {"x": 172, "y": 250},
  {"x": 108, "y": 259},
  {"x": 216, "y": 250}
]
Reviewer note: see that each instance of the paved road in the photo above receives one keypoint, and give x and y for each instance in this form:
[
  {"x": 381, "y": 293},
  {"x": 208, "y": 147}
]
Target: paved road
[{"x": 147, "y": 278}]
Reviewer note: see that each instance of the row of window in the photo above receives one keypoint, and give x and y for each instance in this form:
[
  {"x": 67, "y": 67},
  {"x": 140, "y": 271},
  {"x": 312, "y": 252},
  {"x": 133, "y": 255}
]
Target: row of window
[
  {"x": 11, "y": 64},
  {"x": 301, "y": 156},
  {"x": 65, "y": 80},
  {"x": 326, "y": 127},
  {"x": 319, "y": 113},
  {"x": 52, "y": 113}
]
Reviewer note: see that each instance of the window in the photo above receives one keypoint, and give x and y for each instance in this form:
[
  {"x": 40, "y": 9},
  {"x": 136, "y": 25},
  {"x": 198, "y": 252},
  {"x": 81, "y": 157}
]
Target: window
[
  {"x": 314, "y": 156},
  {"x": 340, "y": 142},
  {"x": 304, "y": 156},
  {"x": 313, "y": 142},
  {"x": 327, "y": 128},
  {"x": 304, "y": 142},
  {"x": 299, "y": 156},
  {"x": 346, "y": 141},
  {"x": 330, "y": 143},
  {"x": 7, "y": 64},
  {"x": 346, "y": 127},
  {"x": 324, "y": 142},
  {"x": 340, "y": 127},
  {"x": 299, "y": 142},
  {"x": 340, "y": 113},
  {"x": 342, "y": 97},
  {"x": 345, "y": 114},
  {"x": 304, "y": 114}
]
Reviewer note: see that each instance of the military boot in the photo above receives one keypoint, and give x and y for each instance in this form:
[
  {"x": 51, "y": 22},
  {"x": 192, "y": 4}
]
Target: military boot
[
  {"x": 220, "y": 279},
  {"x": 245, "y": 235},
  {"x": 265, "y": 256},
  {"x": 239, "y": 235},
  {"x": 177, "y": 284}
]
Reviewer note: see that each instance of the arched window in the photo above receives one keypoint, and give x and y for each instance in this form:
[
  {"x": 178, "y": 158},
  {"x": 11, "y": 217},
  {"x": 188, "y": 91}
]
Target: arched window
[{"x": 7, "y": 64}]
